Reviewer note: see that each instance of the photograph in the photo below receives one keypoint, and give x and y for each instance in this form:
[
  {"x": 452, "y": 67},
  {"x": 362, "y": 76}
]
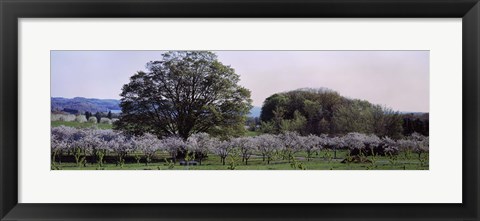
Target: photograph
[
  {"x": 311, "y": 110},
  {"x": 239, "y": 110}
]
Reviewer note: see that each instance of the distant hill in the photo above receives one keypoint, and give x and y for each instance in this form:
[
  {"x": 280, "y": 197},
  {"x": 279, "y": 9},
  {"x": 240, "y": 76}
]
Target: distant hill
[
  {"x": 81, "y": 105},
  {"x": 255, "y": 112}
]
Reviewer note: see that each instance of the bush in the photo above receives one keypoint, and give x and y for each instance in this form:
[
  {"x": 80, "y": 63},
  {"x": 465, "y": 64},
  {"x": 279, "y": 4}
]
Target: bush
[
  {"x": 67, "y": 117},
  {"x": 92, "y": 120},
  {"x": 105, "y": 120},
  {"x": 63, "y": 117},
  {"x": 81, "y": 119},
  {"x": 55, "y": 117}
]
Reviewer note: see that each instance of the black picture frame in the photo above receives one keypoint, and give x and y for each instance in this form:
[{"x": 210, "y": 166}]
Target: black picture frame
[{"x": 12, "y": 10}]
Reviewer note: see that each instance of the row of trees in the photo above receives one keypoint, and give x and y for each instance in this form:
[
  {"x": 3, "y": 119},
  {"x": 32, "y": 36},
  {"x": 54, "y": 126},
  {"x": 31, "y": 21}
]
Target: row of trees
[
  {"x": 81, "y": 143},
  {"x": 418, "y": 123},
  {"x": 100, "y": 115},
  {"x": 80, "y": 118}
]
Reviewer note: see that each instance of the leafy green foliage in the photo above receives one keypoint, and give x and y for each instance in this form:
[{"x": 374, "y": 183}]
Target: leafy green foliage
[
  {"x": 323, "y": 111},
  {"x": 185, "y": 92}
]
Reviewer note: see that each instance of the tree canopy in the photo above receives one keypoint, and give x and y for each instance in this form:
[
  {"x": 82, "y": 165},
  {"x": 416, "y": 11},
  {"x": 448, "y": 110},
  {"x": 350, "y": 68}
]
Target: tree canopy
[
  {"x": 185, "y": 92},
  {"x": 323, "y": 111}
]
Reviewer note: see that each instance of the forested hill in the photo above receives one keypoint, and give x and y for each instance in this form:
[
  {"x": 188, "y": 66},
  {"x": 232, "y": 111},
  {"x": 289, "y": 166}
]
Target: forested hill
[
  {"x": 324, "y": 111},
  {"x": 81, "y": 105},
  {"x": 93, "y": 105}
]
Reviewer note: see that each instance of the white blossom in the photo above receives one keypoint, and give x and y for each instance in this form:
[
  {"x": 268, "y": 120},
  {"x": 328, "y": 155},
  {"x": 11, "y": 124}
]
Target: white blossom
[
  {"x": 173, "y": 145},
  {"x": 92, "y": 120},
  {"x": 390, "y": 146},
  {"x": 247, "y": 146},
  {"x": 148, "y": 144},
  {"x": 312, "y": 143},
  {"x": 223, "y": 149},
  {"x": 63, "y": 117},
  {"x": 81, "y": 119},
  {"x": 355, "y": 140},
  {"x": 200, "y": 144},
  {"x": 268, "y": 145},
  {"x": 105, "y": 120}
]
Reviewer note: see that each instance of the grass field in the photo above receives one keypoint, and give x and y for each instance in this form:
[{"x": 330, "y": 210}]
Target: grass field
[
  {"x": 252, "y": 133},
  {"x": 80, "y": 125}
]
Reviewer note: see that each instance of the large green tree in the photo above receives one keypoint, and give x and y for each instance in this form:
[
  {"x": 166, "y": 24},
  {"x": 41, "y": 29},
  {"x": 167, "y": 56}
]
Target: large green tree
[{"x": 185, "y": 92}]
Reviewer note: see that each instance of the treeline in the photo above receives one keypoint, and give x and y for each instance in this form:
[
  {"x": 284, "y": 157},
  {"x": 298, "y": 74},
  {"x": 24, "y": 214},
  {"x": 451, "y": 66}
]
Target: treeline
[
  {"x": 99, "y": 117},
  {"x": 323, "y": 111},
  {"x": 416, "y": 123}
]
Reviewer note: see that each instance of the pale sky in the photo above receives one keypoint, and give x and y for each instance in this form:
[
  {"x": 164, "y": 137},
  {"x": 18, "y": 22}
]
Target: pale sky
[{"x": 396, "y": 79}]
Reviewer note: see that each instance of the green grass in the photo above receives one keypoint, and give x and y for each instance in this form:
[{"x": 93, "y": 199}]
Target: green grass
[
  {"x": 80, "y": 125},
  {"x": 250, "y": 133},
  {"x": 318, "y": 162}
]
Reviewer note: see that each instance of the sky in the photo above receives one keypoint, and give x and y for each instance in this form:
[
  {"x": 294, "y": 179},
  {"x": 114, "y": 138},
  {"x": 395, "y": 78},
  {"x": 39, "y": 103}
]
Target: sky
[{"x": 395, "y": 79}]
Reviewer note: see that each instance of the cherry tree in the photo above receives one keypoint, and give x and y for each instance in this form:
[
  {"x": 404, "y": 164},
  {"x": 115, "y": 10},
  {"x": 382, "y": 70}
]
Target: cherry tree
[
  {"x": 105, "y": 120},
  {"x": 312, "y": 143},
  {"x": 173, "y": 145},
  {"x": 121, "y": 146},
  {"x": 372, "y": 142},
  {"x": 334, "y": 143},
  {"x": 420, "y": 143},
  {"x": 292, "y": 143},
  {"x": 57, "y": 146},
  {"x": 247, "y": 147},
  {"x": 103, "y": 143},
  {"x": 223, "y": 149},
  {"x": 200, "y": 144},
  {"x": 355, "y": 140},
  {"x": 81, "y": 119},
  {"x": 84, "y": 142},
  {"x": 268, "y": 145},
  {"x": 66, "y": 139},
  {"x": 92, "y": 119},
  {"x": 62, "y": 138},
  {"x": 149, "y": 144},
  {"x": 390, "y": 146}
]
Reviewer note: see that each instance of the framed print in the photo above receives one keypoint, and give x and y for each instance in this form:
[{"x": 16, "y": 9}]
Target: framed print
[{"x": 239, "y": 110}]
